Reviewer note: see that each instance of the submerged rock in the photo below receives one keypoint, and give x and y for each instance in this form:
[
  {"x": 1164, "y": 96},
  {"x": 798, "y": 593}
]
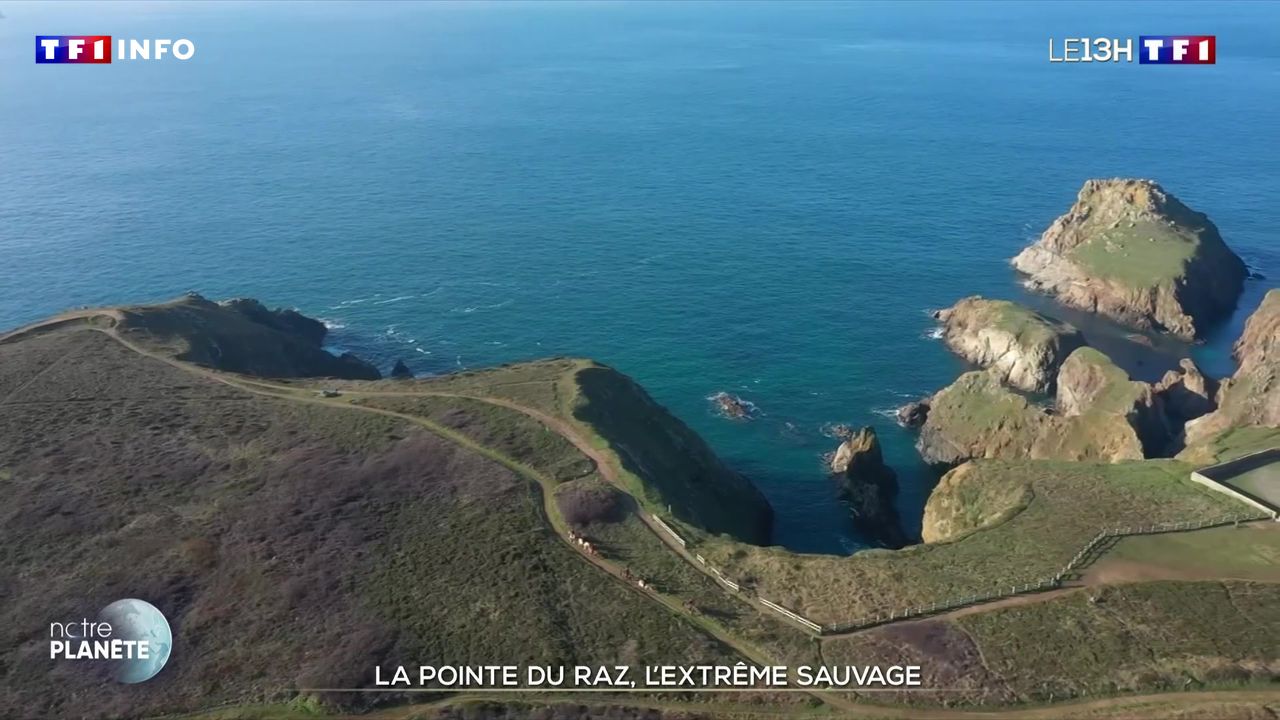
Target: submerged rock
[
  {"x": 1131, "y": 251},
  {"x": 732, "y": 406},
  {"x": 1021, "y": 347},
  {"x": 869, "y": 486}
]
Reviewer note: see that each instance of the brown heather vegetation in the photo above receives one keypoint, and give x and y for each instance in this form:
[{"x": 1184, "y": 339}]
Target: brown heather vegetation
[{"x": 289, "y": 544}]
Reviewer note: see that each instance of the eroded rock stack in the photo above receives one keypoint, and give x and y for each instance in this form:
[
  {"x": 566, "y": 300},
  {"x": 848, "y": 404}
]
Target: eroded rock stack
[{"x": 869, "y": 486}]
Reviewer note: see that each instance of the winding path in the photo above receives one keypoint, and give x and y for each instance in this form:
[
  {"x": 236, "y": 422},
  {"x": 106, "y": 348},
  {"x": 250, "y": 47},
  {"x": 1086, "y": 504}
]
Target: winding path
[{"x": 604, "y": 464}]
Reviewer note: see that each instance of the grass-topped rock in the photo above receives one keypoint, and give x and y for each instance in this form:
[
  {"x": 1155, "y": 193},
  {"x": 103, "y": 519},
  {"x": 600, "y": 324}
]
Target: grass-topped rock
[
  {"x": 1131, "y": 251},
  {"x": 1098, "y": 413},
  {"x": 1020, "y": 346}
]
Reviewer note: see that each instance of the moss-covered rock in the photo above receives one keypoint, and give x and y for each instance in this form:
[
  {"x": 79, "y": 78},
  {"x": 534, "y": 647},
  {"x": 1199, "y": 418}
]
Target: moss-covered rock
[
  {"x": 966, "y": 500},
  {"x": 1020, "y": 346},
  {"x": 1131, "y": 251}
]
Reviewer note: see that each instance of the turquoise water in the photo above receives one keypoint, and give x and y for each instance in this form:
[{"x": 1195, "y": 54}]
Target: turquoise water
[{"x": 754, "y": 198}]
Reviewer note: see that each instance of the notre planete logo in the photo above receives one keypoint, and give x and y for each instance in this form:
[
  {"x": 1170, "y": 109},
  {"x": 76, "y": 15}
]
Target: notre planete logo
[{"x": 131, "y": 635}]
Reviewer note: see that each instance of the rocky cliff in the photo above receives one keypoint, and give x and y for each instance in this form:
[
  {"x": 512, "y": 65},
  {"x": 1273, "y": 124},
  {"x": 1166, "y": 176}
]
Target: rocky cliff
[
  {"x": 671, "y": 465},
  {"x": 869, "y": 486},
  {"x": 1098, "y": 414},
  {"x": 241, "y": 336},
  {"x": 1251, "y": 396},
  {"x": 1021, "y": 347},
  {"x": 1131, "y": 251}
]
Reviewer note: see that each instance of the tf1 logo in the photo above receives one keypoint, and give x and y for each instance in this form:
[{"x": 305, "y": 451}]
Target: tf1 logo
[
  {"x": 97, "y": 49},
  {"x": 1151, "y": 50}
]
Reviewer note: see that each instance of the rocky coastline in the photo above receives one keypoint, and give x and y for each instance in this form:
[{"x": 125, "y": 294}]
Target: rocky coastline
[
  {"x": 1021, "y": 347},
  {"x": 1129, "y": 250}
]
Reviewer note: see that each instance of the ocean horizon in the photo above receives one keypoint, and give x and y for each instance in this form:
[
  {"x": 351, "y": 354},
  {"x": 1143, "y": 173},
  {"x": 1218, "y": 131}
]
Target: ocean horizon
[{"x": 755, "y": 198}]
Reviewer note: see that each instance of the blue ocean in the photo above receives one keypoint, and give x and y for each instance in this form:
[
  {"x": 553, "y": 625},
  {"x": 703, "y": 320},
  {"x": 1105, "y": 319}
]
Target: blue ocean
[{"x": 762, "y": 199}]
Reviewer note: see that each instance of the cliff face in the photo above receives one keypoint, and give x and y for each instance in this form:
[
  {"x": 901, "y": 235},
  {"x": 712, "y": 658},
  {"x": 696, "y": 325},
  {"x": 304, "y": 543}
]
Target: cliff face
[
  {"x": 242, "y": 336},
  {"x": 869, "y": 486},
  {"x": 1133, "y": 252},
  {"x": 1099, "y": 414},
  {"x": 1252, "y": 395},
  {"x": 1021, "y": 347},
  {"x": 673, "y": 466}
]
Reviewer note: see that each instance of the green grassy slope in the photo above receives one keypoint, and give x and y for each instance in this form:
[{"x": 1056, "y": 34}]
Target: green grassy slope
[{"x": 1069, "y": 504}]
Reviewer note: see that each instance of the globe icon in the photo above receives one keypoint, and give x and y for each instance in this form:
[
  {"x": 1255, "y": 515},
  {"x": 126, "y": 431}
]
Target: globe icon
[{"x": 133, "y": 619}]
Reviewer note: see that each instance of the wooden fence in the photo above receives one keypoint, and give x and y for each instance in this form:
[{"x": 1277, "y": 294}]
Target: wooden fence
[{"x": 1081, "y": 558}]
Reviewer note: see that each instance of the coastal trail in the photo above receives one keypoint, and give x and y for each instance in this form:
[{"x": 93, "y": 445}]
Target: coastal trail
[{"x": 542, "y": 486}]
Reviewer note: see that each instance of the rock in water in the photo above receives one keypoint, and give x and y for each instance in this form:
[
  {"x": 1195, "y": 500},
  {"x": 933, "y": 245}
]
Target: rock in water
[
  {"x": 1133, "y": 252},
  {"x": 401, "y": 371},
  {"x": 913, "y": 414},
  {"x": 1252, "y": 395},
  {"x": 869, "y": 486},
  {"x": 732, "y": 406},
  {"x": 1021, "y": 347}
]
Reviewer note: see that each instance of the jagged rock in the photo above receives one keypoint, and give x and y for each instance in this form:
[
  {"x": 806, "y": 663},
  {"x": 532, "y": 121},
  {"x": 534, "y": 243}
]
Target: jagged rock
[
  {"x": 869, "y": 486},
  {"x": 1188, "y": 394},
  {"x": 1133, "y": 252},
  {"x": 1252, "y": 395},
  {"x": 1021, "y": 347},
  {"x": 913, "y": 414},
  {"x": 401, "y": 371},
  {"x": 242, "y": 336},
  {"x": 1100, "y": 414},
  {"x": 1090, "y": 384},
  {"x": 285, "y": 320}
]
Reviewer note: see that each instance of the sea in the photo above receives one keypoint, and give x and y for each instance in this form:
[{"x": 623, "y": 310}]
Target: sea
[{"x": 764, "y": 199}]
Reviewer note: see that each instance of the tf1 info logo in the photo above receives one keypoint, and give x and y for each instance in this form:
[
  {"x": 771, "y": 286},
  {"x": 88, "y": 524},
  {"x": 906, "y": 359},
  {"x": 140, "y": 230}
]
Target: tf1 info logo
[
  {"x": 99, "y": 50},
  {"x": 1150, "y": 49}
]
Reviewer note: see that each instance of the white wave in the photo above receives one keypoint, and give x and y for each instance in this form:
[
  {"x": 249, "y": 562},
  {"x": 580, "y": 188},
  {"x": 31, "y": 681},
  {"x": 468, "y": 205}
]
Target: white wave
[
  {"x": 396, "y": 299},
  {"x": 476, "y": 308},
  {"x": 332, "y": 324},
  {"x": 349, "y": 303},
  {"x": 933, "y": 334}
]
